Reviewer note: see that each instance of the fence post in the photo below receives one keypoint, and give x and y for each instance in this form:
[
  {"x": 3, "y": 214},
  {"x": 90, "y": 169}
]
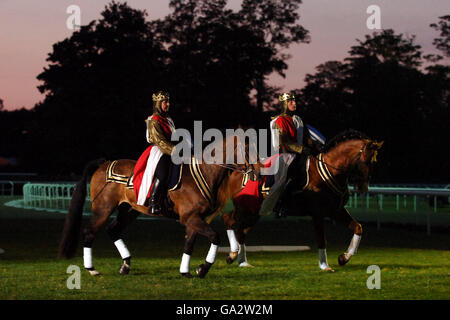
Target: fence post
[
  {"x": 428, "y": 216},
  {"x": 379, "y": 207}
]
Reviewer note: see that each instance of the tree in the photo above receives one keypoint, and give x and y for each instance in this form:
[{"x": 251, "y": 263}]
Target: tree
[
  {"x": 381, "y": 90},
  {"x": 99, "y": 81},
  {"x": 442, "y": 43},
  {"x": 98, "y": 87},
  {"x": 227, "y": 54}
]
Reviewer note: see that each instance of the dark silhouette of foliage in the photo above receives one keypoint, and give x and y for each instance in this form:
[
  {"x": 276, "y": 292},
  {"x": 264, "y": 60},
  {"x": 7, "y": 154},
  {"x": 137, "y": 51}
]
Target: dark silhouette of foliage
[
  {"x": 98, "y": 82},
  {"x": 380, "y": 89},
  {"x": 442, "y": 43}
]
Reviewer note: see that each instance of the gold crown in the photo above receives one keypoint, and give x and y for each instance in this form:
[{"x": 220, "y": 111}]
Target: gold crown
[
  {"x": 160, "y": 97},
  {"x": 286, "y": 96}
]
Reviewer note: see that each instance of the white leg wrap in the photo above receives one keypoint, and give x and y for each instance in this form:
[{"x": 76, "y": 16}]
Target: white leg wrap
[
  {"x": 242, "y": 257},
  {"x": 354, "y": 244},
  {"x": 87, "y": 257},
  {"x": 122, "y": 248},
  {"x": 185, "y": 262},
  {"x": 234, "y": 244},
  {"x": 323, "y": 262},
  {"x": 211, "y": 257}
]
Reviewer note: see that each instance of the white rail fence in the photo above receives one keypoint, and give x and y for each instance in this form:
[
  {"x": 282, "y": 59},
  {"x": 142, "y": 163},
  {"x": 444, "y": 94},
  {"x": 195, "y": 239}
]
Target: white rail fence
[{"x": 55, "y": 197}]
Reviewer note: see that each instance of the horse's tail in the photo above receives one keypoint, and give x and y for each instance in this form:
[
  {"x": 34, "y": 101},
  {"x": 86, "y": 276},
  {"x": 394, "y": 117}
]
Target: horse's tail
[{"x": 69, "y": 240}]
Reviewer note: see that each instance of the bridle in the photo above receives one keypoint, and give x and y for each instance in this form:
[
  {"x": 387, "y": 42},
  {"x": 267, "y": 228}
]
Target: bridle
[
  {"x": 357, "y": 157},
  {"x": 328, "y": 178},
  {"x": 248, "y": 167}
]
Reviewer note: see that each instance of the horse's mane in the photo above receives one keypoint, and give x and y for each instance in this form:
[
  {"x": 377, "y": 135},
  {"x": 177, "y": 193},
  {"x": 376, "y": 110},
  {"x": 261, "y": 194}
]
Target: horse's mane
[{"x": 346, "y": 135}]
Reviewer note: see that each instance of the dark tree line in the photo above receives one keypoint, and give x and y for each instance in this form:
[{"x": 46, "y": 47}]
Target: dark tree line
[
  {"x": 215, "y": 62},
  {"x": 382, "y": 89}
]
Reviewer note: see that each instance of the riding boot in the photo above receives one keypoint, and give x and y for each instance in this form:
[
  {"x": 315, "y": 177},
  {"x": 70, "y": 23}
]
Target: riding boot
[
  {"x": 279, "y": 209},
  {"x": 155, "y": 197}
]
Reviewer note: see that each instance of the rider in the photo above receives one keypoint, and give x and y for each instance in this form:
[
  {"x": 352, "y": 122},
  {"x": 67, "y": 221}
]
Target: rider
[
  {"x": 291, "y": 135},
  {"x": 159, "y": 130}
]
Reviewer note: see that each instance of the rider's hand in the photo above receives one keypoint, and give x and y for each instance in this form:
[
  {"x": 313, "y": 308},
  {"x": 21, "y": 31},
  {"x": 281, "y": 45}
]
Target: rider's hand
[{"x": 306, "y": 151}]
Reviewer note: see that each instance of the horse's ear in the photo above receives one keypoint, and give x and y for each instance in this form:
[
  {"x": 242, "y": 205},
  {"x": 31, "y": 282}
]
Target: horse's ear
[
  {"x": 373, "y": 144},
  {"x": 377, "y": 144}
]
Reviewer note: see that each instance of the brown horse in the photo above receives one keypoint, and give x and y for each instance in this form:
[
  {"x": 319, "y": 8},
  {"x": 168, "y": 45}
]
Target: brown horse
[
  {"x": 189, "y": 205},
  {"x": 347, "y": 157}
]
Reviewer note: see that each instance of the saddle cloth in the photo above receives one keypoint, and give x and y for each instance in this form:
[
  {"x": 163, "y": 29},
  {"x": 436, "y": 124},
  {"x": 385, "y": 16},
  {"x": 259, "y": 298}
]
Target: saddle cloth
[{"x": 128, "y": 181}]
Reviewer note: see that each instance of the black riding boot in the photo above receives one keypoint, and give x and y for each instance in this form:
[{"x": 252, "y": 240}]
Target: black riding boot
[
  {"x": 279, "y": 209},
  {"x": 297, "y": 179},
  {"x": 156, "y": 197},
  {"x": 159, "y": 189}
]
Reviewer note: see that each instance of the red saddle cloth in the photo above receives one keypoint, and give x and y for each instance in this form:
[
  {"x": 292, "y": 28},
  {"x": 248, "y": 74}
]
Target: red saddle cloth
[
  {"x": 139, "y": 170},
  {"x": 251, "y": 198}
]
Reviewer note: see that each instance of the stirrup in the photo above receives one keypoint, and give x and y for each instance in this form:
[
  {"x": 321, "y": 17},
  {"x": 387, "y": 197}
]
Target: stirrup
[
  {"x": 278, "y": 210},
  {"x": 154, "y": 208}
]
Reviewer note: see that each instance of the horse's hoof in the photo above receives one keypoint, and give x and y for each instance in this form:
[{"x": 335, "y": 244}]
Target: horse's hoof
[
  {"x": 245, "y": 264},
  {"x": 124, "y": 269},
  {"x": 93, "y": 272},
  {"x": 343, "y": 259},
  {"x": 231, "y": 257},
  {"x": 187, "y": 275},
  {"x": 203, "y": 269},
  {"x": 230, "y": 260},
  {"x": 328, "y": 269}
]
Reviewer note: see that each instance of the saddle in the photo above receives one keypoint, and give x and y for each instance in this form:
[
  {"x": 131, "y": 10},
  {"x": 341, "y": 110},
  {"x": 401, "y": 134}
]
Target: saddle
[
  {"x": 269, "y": 180},
  {"x": 256, "y": 196}
]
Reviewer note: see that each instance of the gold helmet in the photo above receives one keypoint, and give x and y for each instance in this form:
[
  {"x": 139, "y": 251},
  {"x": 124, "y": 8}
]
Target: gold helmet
[
  {"x": 158, "y": 98},
  {"x": 284, "y": 98}
]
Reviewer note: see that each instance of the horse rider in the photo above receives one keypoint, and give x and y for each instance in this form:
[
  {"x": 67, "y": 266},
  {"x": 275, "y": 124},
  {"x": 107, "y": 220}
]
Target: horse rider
[
  {"x": 292, "y": 138},
  {"x": 157, "y": 158}
]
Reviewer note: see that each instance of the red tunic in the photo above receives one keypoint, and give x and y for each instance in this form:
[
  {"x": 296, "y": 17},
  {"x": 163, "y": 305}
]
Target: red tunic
[{"x": 286, "y": 124}]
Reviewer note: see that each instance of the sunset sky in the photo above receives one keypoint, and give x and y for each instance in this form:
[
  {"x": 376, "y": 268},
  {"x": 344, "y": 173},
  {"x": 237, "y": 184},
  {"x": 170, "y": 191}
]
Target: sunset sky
[{"x": 29, "y": 28}]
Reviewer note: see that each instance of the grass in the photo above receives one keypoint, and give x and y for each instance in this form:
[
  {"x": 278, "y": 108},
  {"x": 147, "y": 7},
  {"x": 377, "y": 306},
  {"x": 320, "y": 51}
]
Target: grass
[{"x": 413, "y": 265}]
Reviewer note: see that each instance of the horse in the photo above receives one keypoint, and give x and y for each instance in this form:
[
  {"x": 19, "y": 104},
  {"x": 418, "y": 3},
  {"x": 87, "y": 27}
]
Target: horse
[
  {"x": 200, "y": 196},
  {"x": 347, "y": 157}
]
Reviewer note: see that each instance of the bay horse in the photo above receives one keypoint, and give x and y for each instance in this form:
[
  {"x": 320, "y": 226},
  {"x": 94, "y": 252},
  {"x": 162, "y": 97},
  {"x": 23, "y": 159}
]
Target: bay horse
[
  {"x": 189, "y": 205},
  {"x": 347, "y": 157}
]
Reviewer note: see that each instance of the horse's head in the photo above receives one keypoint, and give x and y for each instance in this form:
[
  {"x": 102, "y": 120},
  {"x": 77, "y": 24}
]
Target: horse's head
[
  {"x": 242, "y": 156},
  {"x": 361, "y": 164}
]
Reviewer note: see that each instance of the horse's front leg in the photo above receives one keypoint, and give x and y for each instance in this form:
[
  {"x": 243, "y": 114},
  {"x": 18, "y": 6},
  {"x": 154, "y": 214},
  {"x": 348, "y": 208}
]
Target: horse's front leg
[
  {"x": 237, "y": 232},
  {"x": 319, "y": 227},
  {"x": 344, "y": 216},
  {"x": 191, "y": 235},
  {"x": 229, "y": 221},
  {"x": 199, "y": 226}
]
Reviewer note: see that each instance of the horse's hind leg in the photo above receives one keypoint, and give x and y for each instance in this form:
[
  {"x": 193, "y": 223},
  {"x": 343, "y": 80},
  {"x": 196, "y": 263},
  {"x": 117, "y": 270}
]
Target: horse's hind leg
[
  {"x": 344, "y": 216},
  {"x": 115, "y": 230},
  {"x": 99, "y": 216}
]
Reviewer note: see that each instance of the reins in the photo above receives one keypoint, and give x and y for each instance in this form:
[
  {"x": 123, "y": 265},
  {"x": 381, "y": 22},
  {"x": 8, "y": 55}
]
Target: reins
[{"x": 358, "y": 155}]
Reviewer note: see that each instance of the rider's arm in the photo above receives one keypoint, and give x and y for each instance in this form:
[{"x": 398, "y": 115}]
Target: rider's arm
[
  {"x": 287, "y": 142},
  {"x": 156, "y": 136}
]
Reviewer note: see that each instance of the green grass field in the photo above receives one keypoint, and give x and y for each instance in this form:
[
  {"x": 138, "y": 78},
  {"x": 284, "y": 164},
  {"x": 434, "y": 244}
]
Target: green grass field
[{"x": 413, "y": 265}]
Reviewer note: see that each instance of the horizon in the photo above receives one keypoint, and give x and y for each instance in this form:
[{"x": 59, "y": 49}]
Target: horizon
[{"x": 32, "y": 28}]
